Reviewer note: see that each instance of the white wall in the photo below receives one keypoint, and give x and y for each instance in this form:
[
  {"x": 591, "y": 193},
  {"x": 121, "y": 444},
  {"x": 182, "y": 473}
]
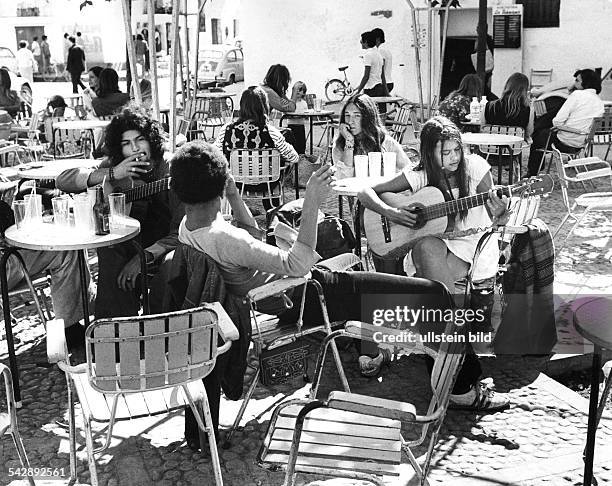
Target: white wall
[
  {"x": 313, "y": 38},
  {"x": 582, "y": 40}
]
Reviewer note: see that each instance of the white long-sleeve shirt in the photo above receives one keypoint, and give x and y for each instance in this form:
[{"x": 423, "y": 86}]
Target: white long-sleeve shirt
[{"x": 577, "y": 113}]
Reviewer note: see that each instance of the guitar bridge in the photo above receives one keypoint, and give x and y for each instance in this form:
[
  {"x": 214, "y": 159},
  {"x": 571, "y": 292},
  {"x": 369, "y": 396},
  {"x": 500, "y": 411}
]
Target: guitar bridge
[{"x": 386, "y": 230}]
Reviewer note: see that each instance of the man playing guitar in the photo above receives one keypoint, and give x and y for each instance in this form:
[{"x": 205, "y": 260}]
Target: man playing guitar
[
  {"x": 445, "y": 166},
  {"x": 136, "y": 157}
]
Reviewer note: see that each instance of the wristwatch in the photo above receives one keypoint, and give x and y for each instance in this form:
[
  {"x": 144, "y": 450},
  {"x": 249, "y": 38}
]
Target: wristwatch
[{"x": 149, "y": 257}]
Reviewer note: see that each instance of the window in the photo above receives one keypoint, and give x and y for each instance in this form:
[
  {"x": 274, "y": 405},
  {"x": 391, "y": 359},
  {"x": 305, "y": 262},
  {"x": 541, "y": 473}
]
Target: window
[
  {"x": 540, "y": 13},
  {"x": 215, "y": 27},
  {"x": 202, "y": 22},
  {"x": 235, "y": 27},
  {"x": 231, "y": 56},
  {"x": 238, "y": 55}
]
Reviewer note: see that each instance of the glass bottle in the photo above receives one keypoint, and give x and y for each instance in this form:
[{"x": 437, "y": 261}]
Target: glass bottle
[{"x": 101, "y": 211}]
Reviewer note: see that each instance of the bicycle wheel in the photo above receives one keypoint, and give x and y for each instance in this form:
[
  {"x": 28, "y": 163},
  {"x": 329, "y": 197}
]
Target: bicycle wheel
[{"x": 335, "y": 90}]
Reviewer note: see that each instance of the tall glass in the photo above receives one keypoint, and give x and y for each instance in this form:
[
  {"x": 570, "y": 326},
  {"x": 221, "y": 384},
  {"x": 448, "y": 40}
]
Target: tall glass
[
  {"x": 361, "y": 166},
  {"x": 375, "y": 163},
  {"x": 389, "y": 163},
  {"x": 33, "y": 208},
  {"x": 116, "y": 201},
  {"x": 19, "y": 210},
  {"x": 82, "y": 213},
  {"x": 61, "y": 212}
]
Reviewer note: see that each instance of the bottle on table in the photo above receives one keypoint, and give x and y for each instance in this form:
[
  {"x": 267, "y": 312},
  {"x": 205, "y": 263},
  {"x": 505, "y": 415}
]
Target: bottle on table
[
  {"x": 101, "y": 211},
  {"x": 475, "y": 108},
  {"x": 483, "y": 104}
]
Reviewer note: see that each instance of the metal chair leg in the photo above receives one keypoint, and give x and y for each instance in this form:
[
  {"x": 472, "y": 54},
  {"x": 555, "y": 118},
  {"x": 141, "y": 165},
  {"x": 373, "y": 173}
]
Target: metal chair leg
[
  {"x": 243, "y": 406},
  {"x": 93, "y": 473},
  {"x": 23, "y": 457}
]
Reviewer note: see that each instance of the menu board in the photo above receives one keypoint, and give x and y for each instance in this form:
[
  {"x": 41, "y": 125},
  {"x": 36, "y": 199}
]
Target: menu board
[{"x": 507, "y": 23}]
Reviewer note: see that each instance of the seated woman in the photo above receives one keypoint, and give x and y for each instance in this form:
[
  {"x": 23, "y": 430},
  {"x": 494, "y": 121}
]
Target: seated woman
[
  {"x": 513, "y": 109},
  {"x": 136, "y": 156},
  {"x": 275, "y": 85},
  {"x": 361, "y": 131},
  {"x": 93, "y": 74},
  {"x": 109, "y": 98},
  {"x": 575, "y": 116},
  {"x": 445, "y": 166},
  {"x": 456, "y": 106},
  {"x": 200, "y": 179},
  {"x": 9, "y": 99},
  {"x": 252, "y": 131}
]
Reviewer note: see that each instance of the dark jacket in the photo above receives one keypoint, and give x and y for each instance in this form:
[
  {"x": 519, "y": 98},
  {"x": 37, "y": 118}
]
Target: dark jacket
[
  {"x": 195, "y": 279},
  {"x": 76, "y": 59}
]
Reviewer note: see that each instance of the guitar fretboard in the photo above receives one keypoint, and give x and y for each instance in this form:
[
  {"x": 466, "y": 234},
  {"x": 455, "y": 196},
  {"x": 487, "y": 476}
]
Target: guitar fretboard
[
  {"x": 457, "y": 205},
  {"x": 146, "y": 190}
]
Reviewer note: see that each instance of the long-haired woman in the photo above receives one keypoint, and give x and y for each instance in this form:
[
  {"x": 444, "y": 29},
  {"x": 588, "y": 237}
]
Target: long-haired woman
[
  {"x": 9, "y": 99},
  {"x": 513, "y": 108},
  {"x": 361, "y": 131},
  {"x": 456, "y": 105},
  {"x": 110, "y": 99}
]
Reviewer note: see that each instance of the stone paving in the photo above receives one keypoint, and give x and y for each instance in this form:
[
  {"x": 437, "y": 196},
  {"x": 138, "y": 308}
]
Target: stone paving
[{"x": 537, "y": 441}]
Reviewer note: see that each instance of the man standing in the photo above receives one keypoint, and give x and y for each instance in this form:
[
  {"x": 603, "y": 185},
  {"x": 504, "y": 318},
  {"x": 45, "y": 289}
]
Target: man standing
[
  {"x": 25, "y": 61},
  {"x": 35, "y": 47},
  {"x": 75, "y": 65},
  {"x": 45, "y": 54},
  {"x": 386, "y": 55}
]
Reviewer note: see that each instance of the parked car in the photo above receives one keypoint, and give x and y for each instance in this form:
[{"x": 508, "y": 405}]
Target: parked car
[
  {"x": 560, "y": 88},
  {"x": 222, "y": 64},
  {"x": 19, "y": 84}
]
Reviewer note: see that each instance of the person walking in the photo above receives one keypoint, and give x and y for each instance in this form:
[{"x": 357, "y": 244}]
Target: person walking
[
  {"x": 36, "y": 51},
  {"x": 75, "y": 65},
  {"x": 45, "y": 54},
  {"x": 379, "y": 35},
  {"x": 25, "y": 61}
]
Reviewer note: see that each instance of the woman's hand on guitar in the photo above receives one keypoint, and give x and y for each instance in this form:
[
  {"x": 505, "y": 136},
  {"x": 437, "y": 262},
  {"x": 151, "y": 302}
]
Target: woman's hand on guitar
[
  {"x": 403, "y": 216},
  {"x": 132, "y": 166},
  {"x": 497, "y": 206}
]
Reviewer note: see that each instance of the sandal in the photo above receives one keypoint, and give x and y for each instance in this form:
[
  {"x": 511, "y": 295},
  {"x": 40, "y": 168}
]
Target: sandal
[
  {"x": 481, "y": 398},
  {"x": 370, "y": 367}
]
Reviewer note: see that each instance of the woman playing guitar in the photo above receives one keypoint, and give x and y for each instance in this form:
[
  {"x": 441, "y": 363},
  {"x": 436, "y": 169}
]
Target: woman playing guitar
[
  {"x": 136, "y": 158},
  {"x": 445, "y": 166}
]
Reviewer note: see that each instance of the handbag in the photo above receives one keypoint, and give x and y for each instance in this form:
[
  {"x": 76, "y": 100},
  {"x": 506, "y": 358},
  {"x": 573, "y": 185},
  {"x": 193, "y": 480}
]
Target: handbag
[{"x": 283, "y": 363}]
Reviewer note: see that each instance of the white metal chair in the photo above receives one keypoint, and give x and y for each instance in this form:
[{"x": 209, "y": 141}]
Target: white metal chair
[
  {"x": 258, "y": 171},
  {"x": 141, "y": 366},
  {"x": 401, "y": 121},
  {"x": 357, "y": 436},
  {"x": 268, "y": 334},
  {"x": 587, "y": 169},
  {"x": 514, "y": 151},
  {"x": 602, "y": 132},
  {"x": 210, "y": 113},
  {"x": 66, "y": 143},
  {"x": 8, "y": 420},
  {"x": 539, "y": 77}
]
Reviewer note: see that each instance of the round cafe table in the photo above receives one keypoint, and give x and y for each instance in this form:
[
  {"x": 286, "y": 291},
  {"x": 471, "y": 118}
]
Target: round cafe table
[
  {"x": 499, "y": 140},
  {"x": 80, "y": 124},
  {"x": 52, "y": 237},
  {"x": 53, "y": 168}
]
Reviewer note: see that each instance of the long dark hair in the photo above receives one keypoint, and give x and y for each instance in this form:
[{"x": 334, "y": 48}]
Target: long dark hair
[
  {"x": 133, "y": 119},
  {"x": 372, "y": 130},
  {"x": 277, "y": 78},
  {"x": 441, "y": 129},
  {"x": 470, "y": 86},
  {"x": 254, "y": 106},
  {"x": 108, "y": 82},
  {"x": 5, "y": 80},
  {"x": 515, "y": 95}
]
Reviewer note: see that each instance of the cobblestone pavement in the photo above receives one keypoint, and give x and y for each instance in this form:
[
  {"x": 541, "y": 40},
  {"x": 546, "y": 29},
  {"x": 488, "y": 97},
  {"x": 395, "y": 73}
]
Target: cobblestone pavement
[{"x": 537, "y": 441}]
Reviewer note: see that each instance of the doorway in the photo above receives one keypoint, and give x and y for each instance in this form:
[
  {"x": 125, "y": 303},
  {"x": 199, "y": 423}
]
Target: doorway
[
  {"x": 457, "y": 63},
  {"x": 27, "y": 34}
]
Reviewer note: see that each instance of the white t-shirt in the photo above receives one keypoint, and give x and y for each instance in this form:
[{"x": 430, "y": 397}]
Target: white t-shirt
[
  {"x": 373, "y": 59},
  {"x": 477, "y": 217},
  {"x": 388, "y": 62},
  {"x": 35, "y": 48}
]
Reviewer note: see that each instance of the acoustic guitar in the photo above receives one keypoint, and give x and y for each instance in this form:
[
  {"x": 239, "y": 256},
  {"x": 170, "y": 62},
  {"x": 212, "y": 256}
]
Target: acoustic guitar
[
  {"x": 141, "y": 191},
  {"x": 432, "y": 211}
]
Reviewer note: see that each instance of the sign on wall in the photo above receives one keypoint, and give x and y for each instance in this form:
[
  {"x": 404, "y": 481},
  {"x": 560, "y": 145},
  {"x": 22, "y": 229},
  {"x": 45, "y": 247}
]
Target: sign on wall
[{"x": 507, "y": 22}]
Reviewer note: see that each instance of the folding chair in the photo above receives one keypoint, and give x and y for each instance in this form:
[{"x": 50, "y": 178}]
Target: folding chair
[
  {"x": 602, "y": 132},
  {"x": 539, "y": 77},
  {"x": 357, "y": 436},
  {"x": 268, "y": 335},
  {"x": 588, "y": 169},
  {"x": 141, "y": 366},
  {"x": 258, "y": 171},
  {"x": 64, "y": 143},
  {"x": 552, "y": 151},
  {"x": 28, "y": 138},
  {"x": 210, "y": 113},
  {"x": 8, "y": 420},
  {"x": 400, "y": 122}
]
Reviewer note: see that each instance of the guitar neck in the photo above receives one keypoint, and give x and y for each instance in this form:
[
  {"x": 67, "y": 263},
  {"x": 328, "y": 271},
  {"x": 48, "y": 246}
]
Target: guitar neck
[
  {"x": 457, "y": 205},
  {"x": 146, "y": 190}
]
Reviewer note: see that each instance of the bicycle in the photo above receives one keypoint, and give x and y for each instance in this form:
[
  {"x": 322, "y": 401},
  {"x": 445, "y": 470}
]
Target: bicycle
[{"x": 336, "y": 89}]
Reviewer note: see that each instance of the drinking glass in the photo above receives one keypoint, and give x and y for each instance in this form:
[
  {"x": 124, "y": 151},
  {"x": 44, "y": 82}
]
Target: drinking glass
[
  {"x": 375, "y": 163},
  {"x": 82, "y": 213},
  {"x": 19, "y": 208},
  {"x": 116, "y": 201},
  {"x": 361, "y": 166},
  {"x": 61, "y": 213},
  {"x": 389, "y": 163},
  {"x": 318, "y": 104},
  {"x": 33, "y": 208}
]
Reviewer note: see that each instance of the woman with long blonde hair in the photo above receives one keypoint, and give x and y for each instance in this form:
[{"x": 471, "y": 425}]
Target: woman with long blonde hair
[{"x": 513, "y": 108}]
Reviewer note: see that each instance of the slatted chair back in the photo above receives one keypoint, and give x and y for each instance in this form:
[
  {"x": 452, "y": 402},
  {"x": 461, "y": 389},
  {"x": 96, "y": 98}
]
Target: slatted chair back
[
  {"x": 151, "y": 352},
  {"x": 539, "y": 77},
  {"x": 255, "y": 166},
  {"x": 64, "y": 142},
  {"x": 539, "y": 107},
  {"x": 504, "y": 130},
  {"x": 212, "y": 112},
  {"x": 400, "y": 122},
  {"x": 601, "y": 131}
]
